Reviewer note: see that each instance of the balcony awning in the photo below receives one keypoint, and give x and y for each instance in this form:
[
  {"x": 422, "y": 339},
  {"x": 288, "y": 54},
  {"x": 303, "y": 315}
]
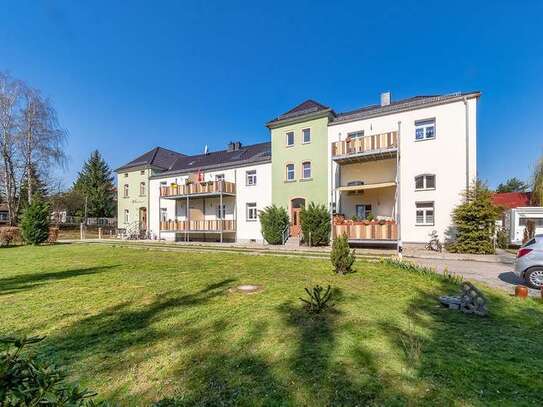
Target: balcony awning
[{"x": 367, "y": 186}]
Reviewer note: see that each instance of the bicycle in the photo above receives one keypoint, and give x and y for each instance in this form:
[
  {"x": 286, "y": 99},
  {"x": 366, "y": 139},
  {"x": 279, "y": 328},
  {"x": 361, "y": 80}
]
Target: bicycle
[{"x": 434, "y": 244}]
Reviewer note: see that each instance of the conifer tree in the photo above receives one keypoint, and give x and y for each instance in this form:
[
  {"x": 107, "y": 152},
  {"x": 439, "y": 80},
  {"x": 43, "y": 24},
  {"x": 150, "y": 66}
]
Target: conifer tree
[
  {"x": 35, "y": 222},
  {"x": 95, "y": 183},
  {"x": 475, "y": 221}
]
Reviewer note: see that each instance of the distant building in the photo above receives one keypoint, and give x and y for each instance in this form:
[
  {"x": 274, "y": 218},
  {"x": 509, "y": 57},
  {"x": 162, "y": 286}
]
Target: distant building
[
  {"x": 518, "y": 215},
  {"x": 4, "y": 215}
]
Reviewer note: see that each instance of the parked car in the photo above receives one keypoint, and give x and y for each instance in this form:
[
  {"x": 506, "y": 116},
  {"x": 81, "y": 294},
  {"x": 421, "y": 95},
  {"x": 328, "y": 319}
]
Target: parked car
[{"x": 529, "y": 263}]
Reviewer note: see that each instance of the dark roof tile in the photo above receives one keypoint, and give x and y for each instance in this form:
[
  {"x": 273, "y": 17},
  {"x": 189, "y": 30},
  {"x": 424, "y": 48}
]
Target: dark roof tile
[{"x": 159, "y": 157}]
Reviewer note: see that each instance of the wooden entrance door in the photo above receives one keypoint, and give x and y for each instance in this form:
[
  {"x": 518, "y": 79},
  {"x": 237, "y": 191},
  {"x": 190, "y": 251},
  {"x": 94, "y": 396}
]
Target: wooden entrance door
[
  {"x": 143, "y": 218},
  {"x": 295, "y": 226}
]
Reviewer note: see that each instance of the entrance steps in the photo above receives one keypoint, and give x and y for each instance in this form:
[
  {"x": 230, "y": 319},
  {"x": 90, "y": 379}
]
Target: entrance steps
[{"x": 292, "y": 242}]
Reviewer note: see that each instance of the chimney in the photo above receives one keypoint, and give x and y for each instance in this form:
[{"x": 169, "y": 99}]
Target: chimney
[
  {"x": 385, "y": 98},
  {"x": 234, "y": 146}
]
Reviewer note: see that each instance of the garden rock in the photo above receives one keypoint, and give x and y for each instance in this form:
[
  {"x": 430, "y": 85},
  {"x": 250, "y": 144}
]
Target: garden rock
[{"x": 470, "y": 300}]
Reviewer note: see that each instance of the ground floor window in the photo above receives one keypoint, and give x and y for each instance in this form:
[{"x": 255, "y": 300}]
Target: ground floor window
[
  {"x": 363, "y": 211},
  {"x": 251, "y": 211},
  {"x": 425, "y": 213}
]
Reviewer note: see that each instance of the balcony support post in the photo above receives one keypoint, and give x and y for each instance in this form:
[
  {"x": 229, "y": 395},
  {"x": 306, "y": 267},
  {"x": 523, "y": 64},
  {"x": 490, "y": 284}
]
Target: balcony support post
[
  {"x": 187, "y": 219},
  {"x": 221, "y": 212}
]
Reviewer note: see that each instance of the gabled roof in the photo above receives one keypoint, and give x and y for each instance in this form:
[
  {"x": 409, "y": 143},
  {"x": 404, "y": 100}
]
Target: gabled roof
[
  {"x": 510, "y": 200},
  {"x": 308, "y": 107},
  {"x": 224, "y": 158},
  {"x": 400, "y": 105},
  {"x": 158, "y": 157}
]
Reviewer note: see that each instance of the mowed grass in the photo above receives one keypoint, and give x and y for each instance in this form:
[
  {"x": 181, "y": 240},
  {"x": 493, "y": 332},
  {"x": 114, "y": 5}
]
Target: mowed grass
[{"x": 142, "y": 326}]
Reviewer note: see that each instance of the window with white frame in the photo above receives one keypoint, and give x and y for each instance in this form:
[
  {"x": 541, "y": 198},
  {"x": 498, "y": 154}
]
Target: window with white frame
[
  {"x": 163, "y": 214},
  {"x": 142, "y": 188},
  {"x": 425, "y": 181},
  {"x": 250, "y": 177},
  {"x": 126, "y": 213},
  {"x": 290, "y": 138},
  {"x": 251, "y": 212},
  {"x": 219, "y": 177},
  {"x": 425, "y": 213},
  {"x": 142, "y": 172},
  {"x": 356, "y": 134},
  {"x": 425, "y": 129},
  {"x": 290, "y": 172},
  {"x": 125, "y": 190},
  {"x": 221, "y": 211},
  {"x": 306, "y": 136},
  {"x": 306, "y": 170}
]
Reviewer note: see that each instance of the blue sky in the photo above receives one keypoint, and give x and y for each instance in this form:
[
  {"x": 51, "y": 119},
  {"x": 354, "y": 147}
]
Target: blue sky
[{"x": 128, "y": 76}]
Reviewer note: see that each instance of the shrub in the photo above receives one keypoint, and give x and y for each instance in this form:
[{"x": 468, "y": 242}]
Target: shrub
[
  {"x": 475, "y": 222},
  {"x": 274, "y": 220},
  {"x": 9, "y": 235},
  {"x": 341, "y": 256},
  {"x": 318, "y": 301},
  {"x": 35, "y": 223},
  {"x": 501, "y": 238},
  {"x": 29, "y": 381},
  {"x": 423, "y": 270},
  {"x": 315, "y": 223}
]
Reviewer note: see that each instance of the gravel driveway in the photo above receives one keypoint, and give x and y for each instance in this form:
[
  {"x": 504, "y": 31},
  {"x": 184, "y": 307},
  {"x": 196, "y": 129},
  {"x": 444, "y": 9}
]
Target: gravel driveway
[{"x": 497, "y": 275}]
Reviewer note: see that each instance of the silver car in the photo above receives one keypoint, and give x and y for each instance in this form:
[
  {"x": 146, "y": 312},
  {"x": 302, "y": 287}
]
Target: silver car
[{"x": 529, "y": 263}]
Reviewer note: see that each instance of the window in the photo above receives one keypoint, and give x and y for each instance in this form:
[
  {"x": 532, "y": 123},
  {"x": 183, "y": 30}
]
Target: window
[
  {"x": 142, "y": 172},
  {"x": 126, "y": 175},
  {"x": 425, "y": 181},
  {"x": 363, "y": 211},
  {"x": 290, "y": 138},
  {"x": 425, "y": 129},
  {"x": 356, "y": 134},
  {"x": 126, "y": 216},
  {"x": 221, "y": 211},
  {"x": 306, "y": 170},
  {"x": 250, "y": 177},
  {"x": 425, "y": 213},
  {"x": 538, "y": 222},
  {"x": 251, "y": 211},
  {"x": 219, "y": 177},
  {"x": 126, "y": 190},
  {"x": 3, "y": 216},
  {"x": 290, "y": 172},
  {"x": 142, "y": 188},
  {"x": 306, "y": 135},
  {"x": 163, "y": 214}
]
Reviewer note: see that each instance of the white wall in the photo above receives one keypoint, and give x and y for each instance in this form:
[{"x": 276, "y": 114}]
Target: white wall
[
  {"x": 246, "y": 230},
  {"x": 445, "y": 156},
  {"x": 516, "y": 230}
]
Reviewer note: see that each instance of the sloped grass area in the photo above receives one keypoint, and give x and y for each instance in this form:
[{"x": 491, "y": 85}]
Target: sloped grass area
[{"x": 143, "y": 326}]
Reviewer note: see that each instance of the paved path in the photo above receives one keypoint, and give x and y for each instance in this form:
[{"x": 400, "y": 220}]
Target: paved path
[{"x": 498, "y": 275}]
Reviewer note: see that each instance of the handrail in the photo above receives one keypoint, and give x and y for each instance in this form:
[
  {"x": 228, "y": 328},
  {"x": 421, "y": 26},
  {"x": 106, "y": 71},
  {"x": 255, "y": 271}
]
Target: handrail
[{"x": 285, "y": 234}]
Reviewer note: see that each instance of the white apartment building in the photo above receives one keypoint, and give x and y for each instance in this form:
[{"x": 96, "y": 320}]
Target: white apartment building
[
  {"x": 212, "y": 197},
  {"x": 405, "y": 164}
]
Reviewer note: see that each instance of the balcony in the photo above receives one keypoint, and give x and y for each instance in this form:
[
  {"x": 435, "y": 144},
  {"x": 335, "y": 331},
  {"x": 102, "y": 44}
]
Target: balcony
[
  {"x": 367, "y": 148},
  {"x": 367, "y": 231},
  {"x": 198, "y": 226},
  {"x": 197, "y": 189}
]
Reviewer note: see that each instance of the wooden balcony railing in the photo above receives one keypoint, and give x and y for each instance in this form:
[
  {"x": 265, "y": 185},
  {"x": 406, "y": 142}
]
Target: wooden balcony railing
[
  {"x": 367, "y": 231},
  {"x": 365, "y": 144},
  {"x": 198, "y": 225},
  {"x": 211, "y": 187}
]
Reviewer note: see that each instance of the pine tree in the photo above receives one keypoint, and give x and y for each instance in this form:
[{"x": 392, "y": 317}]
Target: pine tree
[
  {"x": 475, "y": 221},
  {"x": 95, "y": 182},
  {"x": 513, "y": 185},
  {"x": 341, "y": 256},
  {"x": 35, "y": 222},
  {"x": 38, "y": 188}
]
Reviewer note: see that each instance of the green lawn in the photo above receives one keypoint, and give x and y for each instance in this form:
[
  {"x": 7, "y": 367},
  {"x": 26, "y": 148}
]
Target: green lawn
[{"x": 139, "y": 326}]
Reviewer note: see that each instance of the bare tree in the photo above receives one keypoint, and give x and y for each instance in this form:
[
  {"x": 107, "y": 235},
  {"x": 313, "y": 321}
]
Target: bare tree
[
  {"x": 30, "y": 140},
  {"x": 40, "y": 137}
]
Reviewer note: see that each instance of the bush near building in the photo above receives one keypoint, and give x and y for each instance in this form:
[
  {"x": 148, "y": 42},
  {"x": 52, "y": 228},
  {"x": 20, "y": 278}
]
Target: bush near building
[
  {"x": 475, "y": 222},
  {"x": 315, "y": 223},
  {"x": 273, "y": 220}
]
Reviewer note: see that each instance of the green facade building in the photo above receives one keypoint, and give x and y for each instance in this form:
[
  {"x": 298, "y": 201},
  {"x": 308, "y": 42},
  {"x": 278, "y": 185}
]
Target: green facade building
[{"x": 299, "y": 140}]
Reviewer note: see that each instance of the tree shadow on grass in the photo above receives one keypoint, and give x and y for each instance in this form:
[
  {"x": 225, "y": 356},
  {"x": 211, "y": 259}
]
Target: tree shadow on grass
[
  {"x": 469, "y": 359},
  {"x": 124, "y": 326},
  {"x": 23, "y": 282}
]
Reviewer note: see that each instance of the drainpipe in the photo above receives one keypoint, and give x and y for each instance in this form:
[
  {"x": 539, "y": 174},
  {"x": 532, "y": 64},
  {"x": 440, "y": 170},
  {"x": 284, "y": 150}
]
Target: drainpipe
[
  {"x": 398, "y": 193},
  {"x": 467, "y": 143}
]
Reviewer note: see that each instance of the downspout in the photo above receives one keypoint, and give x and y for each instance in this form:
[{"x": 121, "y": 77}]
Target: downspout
[
  {"x": 467, "y": 143},
  {"x": 398, "y": 193}
]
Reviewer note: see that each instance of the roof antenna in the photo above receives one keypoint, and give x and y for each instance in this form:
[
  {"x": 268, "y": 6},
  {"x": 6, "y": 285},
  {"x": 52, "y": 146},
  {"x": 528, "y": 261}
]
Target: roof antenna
[{"x": 205, "y": 150}]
